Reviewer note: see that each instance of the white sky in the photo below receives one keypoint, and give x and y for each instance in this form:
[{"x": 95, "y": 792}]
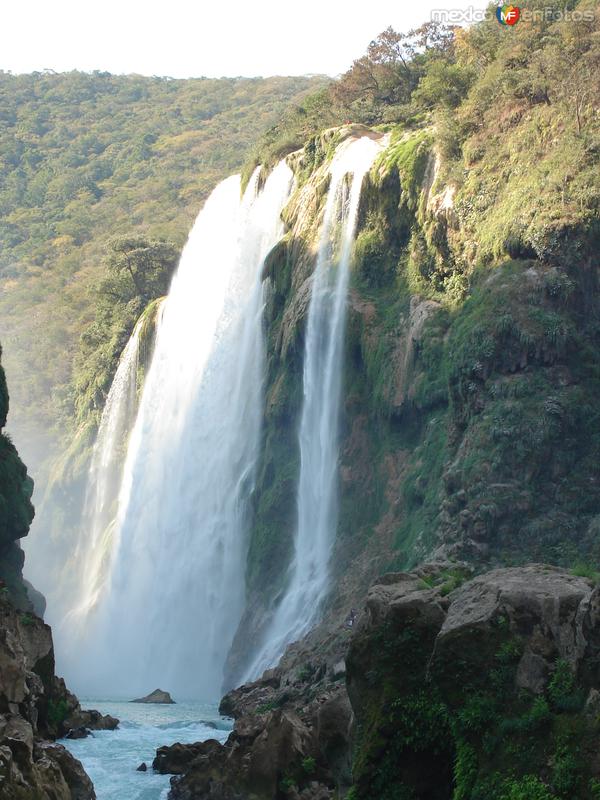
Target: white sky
[{"x": 187, "y": 38}]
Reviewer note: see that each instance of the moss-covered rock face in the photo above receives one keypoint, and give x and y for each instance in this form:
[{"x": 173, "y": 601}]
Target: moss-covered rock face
[
  {"x": 16, "y": 509},
  {"x": 468, "y": 424},
  {"x": 489, "y": 692}
]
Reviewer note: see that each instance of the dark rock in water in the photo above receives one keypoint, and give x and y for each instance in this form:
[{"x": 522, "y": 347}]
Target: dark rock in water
[
  {"x": 175, "y": 759},
  {"x": 157, "y": 696},
  {"x": 78, "y": 733},
  {"x": 79, "y": 718},
  {"x": 142, "y": 767}
]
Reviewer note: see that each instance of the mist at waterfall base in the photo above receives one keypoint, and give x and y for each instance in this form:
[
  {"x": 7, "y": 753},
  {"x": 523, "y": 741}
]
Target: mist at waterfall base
[
  {"x": 172, "y": 587},
  {"x": 317, "y": 498}
]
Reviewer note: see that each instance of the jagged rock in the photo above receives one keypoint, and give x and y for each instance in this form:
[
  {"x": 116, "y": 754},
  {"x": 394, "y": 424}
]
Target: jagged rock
[
  {"x": 34, "y": 706},
  {"x": 285, "y": 725},
  {"x": 497, "y": 646},
  {"x": 157, "y": 696},
  {"x": 248, "y": 697},
  {"x": 78, "y": 733},
  {"x": 176, "y": 758},
  {"x": 90, "y": 720},
  {"x": 77, "y": 780},
  {"x": 142, "y": 767}
]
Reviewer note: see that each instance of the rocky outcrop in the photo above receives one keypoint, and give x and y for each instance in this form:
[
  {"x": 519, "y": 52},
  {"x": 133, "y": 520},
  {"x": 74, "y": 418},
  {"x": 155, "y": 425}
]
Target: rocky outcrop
[
  {"x": 456, "y": 688},
  {"x": 291, "y": 736},
  {"x": 35, "y": 705},
  {"x": 33, "y": 708},
  {"x": 16, "y": 512},
  {"x": 175, "y": 759},
  {"x": 489, "y": 682},
  {"x": 297, "y": 751},
  {"x": 157, "y": 696}
]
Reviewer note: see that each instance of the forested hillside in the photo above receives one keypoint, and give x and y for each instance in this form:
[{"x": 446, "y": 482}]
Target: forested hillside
[{"x": 84, "y": 158}]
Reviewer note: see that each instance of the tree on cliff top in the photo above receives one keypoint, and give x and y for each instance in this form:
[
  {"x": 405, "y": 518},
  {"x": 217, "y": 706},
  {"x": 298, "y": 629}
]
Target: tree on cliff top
[{"x": 138, "y": 268}]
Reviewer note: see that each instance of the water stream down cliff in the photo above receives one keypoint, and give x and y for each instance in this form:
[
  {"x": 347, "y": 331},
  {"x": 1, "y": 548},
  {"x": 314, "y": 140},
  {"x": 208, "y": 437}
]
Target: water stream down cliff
[
  {"x": 170, "y": 561},
  {"x": 117, "y": 420},
  {"x": 177, "y": 561},
  {"x": 322, "y": 380}
]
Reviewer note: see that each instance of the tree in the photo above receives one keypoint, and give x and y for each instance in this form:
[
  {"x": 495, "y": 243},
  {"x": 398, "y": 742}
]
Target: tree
[
  {"x": 138, "y": 268},
  {"x": 384, "y": 75},
  {"x": 392, "y": 67}
]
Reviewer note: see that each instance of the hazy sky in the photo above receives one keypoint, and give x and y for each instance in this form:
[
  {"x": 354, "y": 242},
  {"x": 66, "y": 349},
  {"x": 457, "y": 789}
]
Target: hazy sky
[{"x": 182, "y": 38}]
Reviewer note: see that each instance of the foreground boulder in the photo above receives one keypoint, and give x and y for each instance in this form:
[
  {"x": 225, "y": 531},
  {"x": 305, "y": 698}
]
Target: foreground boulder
[
  {"x": 34, "y": 706},
  {"x": 291, "y": 735},
  {"x": 456, "y": 689},
  {"x": 478, "y": 693},
  {"x": 157, "y": 696},
  {"x": 176, "y": 758}
]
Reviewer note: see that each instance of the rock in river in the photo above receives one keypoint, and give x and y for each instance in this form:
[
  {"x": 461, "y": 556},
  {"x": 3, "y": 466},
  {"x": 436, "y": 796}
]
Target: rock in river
[{"x": 157, "y": 696}]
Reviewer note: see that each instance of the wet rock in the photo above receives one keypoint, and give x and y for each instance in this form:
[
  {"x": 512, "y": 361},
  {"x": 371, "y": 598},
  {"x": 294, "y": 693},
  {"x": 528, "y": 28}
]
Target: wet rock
[
  {"x": 78, "y": 733},
  {"x": 176, "y": 758},
  {"x": 157, "y": 696},
  {"x": 90, "y": 720},
  {"x": 142, "y": 767}
]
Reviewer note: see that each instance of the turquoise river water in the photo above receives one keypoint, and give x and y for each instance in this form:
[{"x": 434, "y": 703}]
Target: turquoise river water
[{"x": 111, "y": 758}]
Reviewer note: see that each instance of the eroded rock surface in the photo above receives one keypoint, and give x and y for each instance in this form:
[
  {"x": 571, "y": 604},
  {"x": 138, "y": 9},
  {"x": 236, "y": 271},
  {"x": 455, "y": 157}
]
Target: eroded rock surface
[
  {"x": 36, "y": 707},
  {"x": 495, "y": 683},
  {"x": 454, "y": 687}
]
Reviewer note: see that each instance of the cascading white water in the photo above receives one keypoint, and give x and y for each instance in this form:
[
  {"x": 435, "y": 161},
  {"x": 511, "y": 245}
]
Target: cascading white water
[
  {"x": 308, "y": 578},
  {"x": 85, "y": 571},
  {"x": 175, "y": 594},
  {"x": 118, "y": 417}
]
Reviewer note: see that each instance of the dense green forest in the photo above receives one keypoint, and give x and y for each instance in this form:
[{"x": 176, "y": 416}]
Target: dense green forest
[{"x": 85, "y": 158}]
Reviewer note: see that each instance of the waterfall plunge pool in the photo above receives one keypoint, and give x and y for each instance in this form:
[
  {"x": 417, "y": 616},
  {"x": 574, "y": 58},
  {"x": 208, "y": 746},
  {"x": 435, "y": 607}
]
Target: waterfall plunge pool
[{"x": 111, "y": 758}]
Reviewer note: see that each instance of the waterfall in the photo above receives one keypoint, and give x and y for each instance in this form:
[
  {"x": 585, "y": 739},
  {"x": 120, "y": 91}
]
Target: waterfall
[
  {"x": 175, "y": 588},
  {"x": 118, "y": 416},
  {"x": 308, "y": 578}
]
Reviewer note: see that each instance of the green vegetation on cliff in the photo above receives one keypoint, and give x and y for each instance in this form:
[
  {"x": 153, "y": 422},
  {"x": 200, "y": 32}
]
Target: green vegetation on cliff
[
  {"x": 470, "y": 425},
  {"x": 484, "y": 695},
  {"x": 16, "y": 510},
  {"x": 85, "y": 158}
]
